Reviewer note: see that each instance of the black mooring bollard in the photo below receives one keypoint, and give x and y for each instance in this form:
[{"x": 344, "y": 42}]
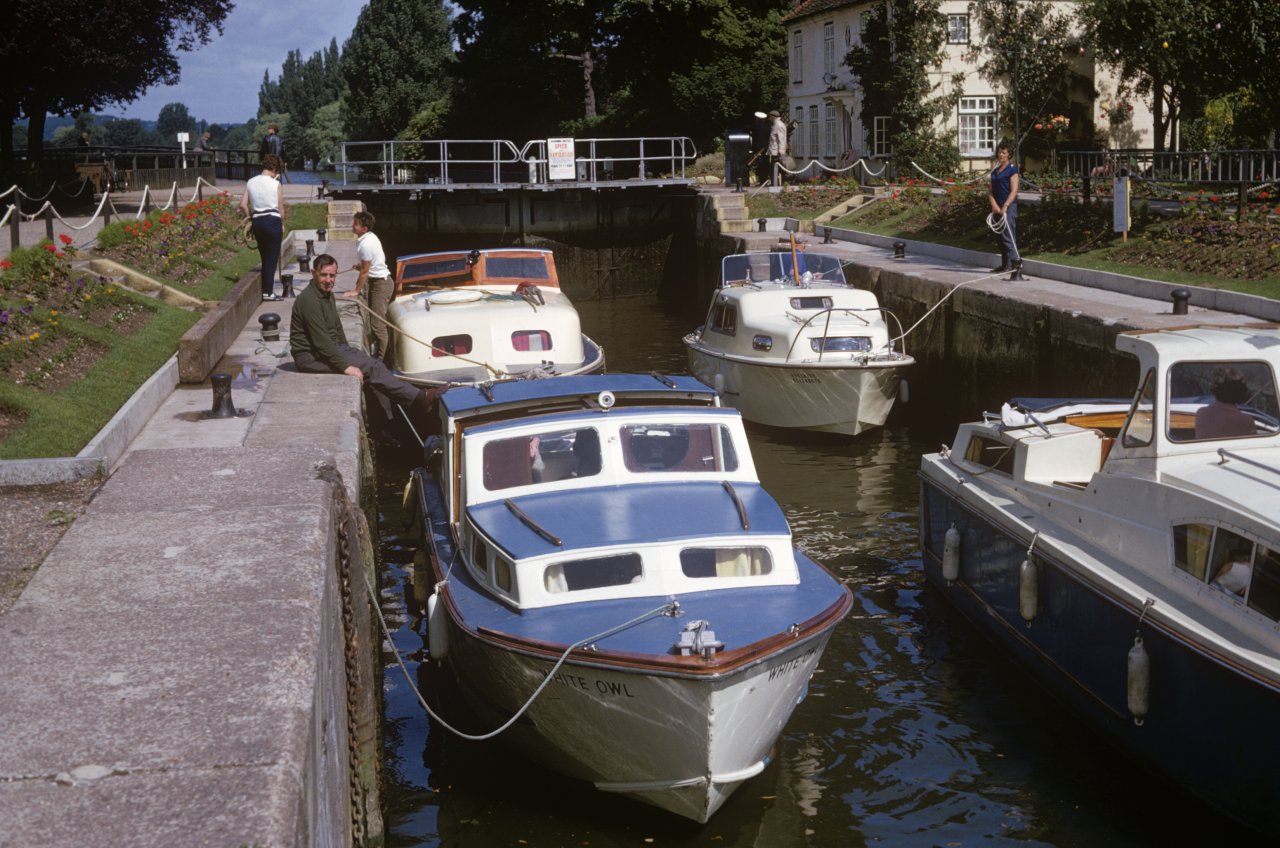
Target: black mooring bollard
[
  {"x": 311, "y": 247},
  {"x": 270, "y": 326},
  {"x": 899, "y": 250},
  {"x": 1180, "y": 298},
  {"x": 762, "y": 223},
  {"x": 322, "y": 234},
  {"x": 826, "y": 235},
  {"x": 304, "y": 264},
  {"x": 222, "y": 406},
  {"x": 286, "y": 283}
]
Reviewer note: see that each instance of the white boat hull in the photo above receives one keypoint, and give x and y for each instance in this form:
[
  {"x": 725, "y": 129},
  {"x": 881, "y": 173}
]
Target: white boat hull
[
  {"x": 619, "y": 729},
  {"x": 842, "y": 399}
]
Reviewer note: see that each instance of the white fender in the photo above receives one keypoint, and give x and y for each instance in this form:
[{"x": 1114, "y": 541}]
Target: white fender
[
  {"x": 1138, "y": 689},
  {"x": 1028, "y": 589},
  {"x": 437, "y": 627},
  {"x": 951, "y": 555},
  {"x": 904, "y": 393}
]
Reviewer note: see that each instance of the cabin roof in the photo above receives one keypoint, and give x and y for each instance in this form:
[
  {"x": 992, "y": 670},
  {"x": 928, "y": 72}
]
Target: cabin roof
[
  {"x": 465, "y": 399},
  {"x": 634, "y": 514},
  {"x": 1206, "y": 342}
]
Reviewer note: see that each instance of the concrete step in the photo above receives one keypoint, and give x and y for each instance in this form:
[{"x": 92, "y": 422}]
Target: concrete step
[
  {"x": 736, "y": 226},
  {"x": 739, "y": 213}
]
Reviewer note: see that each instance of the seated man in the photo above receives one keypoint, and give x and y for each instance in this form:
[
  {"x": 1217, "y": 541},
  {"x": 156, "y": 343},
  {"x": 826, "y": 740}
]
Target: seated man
[
  {"x": 1223, "y": 419},
  {"x": 319, "y": 346}
]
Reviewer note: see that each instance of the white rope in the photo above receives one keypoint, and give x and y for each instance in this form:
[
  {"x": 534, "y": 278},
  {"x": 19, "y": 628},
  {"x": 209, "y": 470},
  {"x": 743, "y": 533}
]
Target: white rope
[
  {"x": 943, "y": 300},
  {"x": 978, "y": 178},
  {"x": 546, "y": 681},
  {"x": 87, "y": 224},
  {"x": 847, "y": 168},
  {"x": 997, "y": 223},
  {"x": 7, "y": 212}
]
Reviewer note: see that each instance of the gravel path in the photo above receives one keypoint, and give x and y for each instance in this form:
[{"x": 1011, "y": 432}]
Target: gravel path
[{"x": 33, "y": 518}]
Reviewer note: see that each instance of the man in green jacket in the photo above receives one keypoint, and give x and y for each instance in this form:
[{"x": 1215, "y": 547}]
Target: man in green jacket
[{"x": 319, "y": 346}]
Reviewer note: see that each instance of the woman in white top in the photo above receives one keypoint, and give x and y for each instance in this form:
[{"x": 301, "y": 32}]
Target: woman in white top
[{"x": 264, "y": 200}]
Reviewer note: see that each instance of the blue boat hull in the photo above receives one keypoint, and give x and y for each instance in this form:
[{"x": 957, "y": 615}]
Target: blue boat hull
[{"x": 1210, "y": 727}]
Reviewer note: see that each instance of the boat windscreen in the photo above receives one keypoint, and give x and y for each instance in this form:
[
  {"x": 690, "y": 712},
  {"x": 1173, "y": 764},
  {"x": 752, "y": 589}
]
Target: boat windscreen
[
  {"x": 434, "y": 268},
  {"x": 517, "y": 267},
  {"x": 746, "y": 268}
]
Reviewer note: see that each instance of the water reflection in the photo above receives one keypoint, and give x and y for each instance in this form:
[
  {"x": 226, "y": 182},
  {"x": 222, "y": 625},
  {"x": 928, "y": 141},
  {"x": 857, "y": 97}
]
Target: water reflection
[{"x": 914, "y": 733}]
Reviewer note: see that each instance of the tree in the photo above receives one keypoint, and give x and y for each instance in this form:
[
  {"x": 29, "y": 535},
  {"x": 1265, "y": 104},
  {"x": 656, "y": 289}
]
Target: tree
[
  {"x": 126, "y": 133},
  {"x": 75, "y": 55},
  {"x": 174, "y": 118},
  {"x": 1024, "y": 49},
  {"x": 397, "y": 61},
  {"x": 903, "y": 39}
]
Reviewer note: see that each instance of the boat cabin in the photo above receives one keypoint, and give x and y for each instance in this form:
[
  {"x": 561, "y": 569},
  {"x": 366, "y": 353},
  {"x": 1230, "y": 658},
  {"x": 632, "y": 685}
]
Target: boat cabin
[
  {"x": 499, "y": 267},
  {"x": 621, "y": 496}
]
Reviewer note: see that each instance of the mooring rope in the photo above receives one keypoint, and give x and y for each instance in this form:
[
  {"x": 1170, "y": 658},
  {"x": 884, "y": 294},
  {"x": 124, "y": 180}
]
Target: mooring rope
[
  {"x": 546, "y": 681},
  {"x": 496, "y": 372}
]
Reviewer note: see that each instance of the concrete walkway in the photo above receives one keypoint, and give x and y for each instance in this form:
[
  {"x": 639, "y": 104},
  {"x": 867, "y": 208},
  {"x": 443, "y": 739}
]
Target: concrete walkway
[{"x": 172, "y": 675}]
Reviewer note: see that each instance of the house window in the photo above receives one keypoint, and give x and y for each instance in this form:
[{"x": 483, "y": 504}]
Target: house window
[
  {"x": 977, "y": 126},
  {"x": 797, "y": 56},
  {"x": 829, "y": 48},
  {"x": 799, "y": 133},
  {"x": 864, "y": 20},
  {"x": 813, "y": 130},
  {"x": 880, "y": 137},
  {"x": 957, "y": 29},
  {"x": 829, "y": 134}
]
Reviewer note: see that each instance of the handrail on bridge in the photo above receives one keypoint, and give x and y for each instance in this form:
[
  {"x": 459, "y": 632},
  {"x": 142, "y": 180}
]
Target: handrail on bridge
[{"x": 500, "y": 162}]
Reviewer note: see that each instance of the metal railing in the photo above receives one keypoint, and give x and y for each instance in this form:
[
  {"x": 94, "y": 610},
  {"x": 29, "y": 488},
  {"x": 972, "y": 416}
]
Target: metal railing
[
  {"x": 1184, "y": 166},
  {"x": 500, "y": 162}
]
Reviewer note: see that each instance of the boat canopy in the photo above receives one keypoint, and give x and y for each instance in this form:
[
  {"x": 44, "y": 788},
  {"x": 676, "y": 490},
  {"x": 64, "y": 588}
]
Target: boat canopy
[
  {"x": 782, "y": 267},
  {"x": 501, "y": 267}
]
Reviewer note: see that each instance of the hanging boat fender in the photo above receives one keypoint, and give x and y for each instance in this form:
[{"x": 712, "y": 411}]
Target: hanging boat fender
[
  {"x": 1138, "y": 687},
  {"x": 1028, "y": 589},
  {"x": 951, "y": 555},
  {"x": 904, "y": 393},
  {"x": 437, "y": 626},
  {"x": 719, "y": 383},
  {"x": 421, "y": 577}
]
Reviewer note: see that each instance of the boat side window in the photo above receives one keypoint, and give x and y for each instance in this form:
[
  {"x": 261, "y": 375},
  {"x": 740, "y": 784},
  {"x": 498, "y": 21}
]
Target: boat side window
[
  {"x": 724, "y": 319},
  {"x": 526, "y": 340},
  {"x": 541, "y": 458},
  {"x": 479, "y": 553},
  {"x": 502, "y": 573},
  {"x": 1191, "y": 544},
  {"x": 446, "y": 345},
  {"x": 670, "y": 447},
  {"x": 810, "y": 303},
  {"x": 1139, "y": 427},
  {"x": 991, "y": 453},
  {"x": 1232, "y": 563},
  {"x": 1264, "y": 595},
  {"x": 740, "y": 561},
  {"x": 1221, "y": 400},
  {"x": 593, "y": 573}
]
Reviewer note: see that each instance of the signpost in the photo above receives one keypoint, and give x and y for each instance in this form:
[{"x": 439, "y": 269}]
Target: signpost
[
  {"x": 1120, "y": 203},
  {"x": 560, "y": 164}
]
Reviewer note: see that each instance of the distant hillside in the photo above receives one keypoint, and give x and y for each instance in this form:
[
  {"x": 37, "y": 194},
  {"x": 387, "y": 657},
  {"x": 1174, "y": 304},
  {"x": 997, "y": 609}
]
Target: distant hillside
[{"x": 53, "y": 122}]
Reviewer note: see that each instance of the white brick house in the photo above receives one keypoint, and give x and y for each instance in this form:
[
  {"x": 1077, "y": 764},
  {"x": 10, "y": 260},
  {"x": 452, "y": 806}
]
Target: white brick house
[{"x": 825, "y": 103}]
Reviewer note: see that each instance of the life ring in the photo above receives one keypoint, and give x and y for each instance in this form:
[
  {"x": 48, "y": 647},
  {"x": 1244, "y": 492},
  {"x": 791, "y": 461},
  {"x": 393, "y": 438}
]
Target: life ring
[{"x": 454, "y": 296}]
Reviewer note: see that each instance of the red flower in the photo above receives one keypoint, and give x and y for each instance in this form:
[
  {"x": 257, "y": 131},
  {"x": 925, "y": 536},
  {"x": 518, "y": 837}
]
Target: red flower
[
  {"x": 65, "y": 239},
  {"x": 5, "y": 264},
  {"x": 49, "y": 247},
  {"x": 1213, "y": 198}
]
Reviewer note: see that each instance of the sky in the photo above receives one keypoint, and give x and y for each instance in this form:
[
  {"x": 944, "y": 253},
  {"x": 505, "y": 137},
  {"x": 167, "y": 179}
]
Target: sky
[{"x": 220, "y": 80}]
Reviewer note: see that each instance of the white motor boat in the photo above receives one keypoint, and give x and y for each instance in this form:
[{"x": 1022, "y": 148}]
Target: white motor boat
[
  {"x": 789, "y": 343},
  {"x": 1128, "y": 555},
  {"x": 612, "y": 584},
  {"x": 479, "y": 316}
]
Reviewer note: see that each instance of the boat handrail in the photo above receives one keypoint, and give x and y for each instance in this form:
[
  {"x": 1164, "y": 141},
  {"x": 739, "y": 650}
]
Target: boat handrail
[
  {"x": 1226, "y": 455},
  {"x": 850, "y": 310}
]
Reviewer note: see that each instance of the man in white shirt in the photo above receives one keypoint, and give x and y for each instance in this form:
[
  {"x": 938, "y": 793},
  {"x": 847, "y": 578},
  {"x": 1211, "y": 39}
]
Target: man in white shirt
[{"x": 371, "y": 262}]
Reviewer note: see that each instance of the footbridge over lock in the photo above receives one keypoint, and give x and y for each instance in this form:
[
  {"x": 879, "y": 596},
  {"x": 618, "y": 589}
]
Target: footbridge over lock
[{"x": 618, "y": 212}]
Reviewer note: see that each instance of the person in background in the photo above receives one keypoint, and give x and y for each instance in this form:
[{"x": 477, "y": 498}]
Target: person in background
[
  {"x": 777, "y": 143},
  {"x": 371, "y": 263},
  {"x": 319, "y": 346},
  {"x": 203, "y": 144},
  {"x": 264, "y": 200},
  {"x": 273, "y": 144},
  {"x": 1004, "y": 206},
  {"x": 1223, "y": 419}
]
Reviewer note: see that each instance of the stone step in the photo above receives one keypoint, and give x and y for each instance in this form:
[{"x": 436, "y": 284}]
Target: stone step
[
  {"x": 739, "y": 213},
  {"x": 735, "y": 226}
]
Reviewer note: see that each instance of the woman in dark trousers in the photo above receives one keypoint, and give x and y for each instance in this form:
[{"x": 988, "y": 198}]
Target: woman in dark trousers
[
  {"x": 1004, "y": 210},
  {"x": 264, "y": 200}
]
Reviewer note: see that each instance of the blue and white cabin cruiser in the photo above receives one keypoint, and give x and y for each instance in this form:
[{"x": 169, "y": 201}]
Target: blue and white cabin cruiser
[
  {"x": 1128, "y": 555},
  {"x": 608, "y": 536},
  {"x": 791, "y": 344},
  {"x": 467, "y": 317}
]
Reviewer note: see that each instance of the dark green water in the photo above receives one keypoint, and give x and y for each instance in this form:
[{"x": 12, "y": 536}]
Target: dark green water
[{"x": 916, "y": 732}]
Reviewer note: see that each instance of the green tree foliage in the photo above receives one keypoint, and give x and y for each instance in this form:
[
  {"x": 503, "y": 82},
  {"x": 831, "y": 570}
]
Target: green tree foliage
[
  {"x": 903, "y": 39},
  {"x": 175, "y": 118},
  {"x": 241, "y": 137},
  {"x": 301, "y": 93},
  {"x": 75, "y": 55},
  {"x": 1184, "y": 53},
  {"x": 1023, "y": 50},
  {"x": 126, "y": 133},
  {"x": 320, "y": 139},
  {"x": 397, "y": 61}
]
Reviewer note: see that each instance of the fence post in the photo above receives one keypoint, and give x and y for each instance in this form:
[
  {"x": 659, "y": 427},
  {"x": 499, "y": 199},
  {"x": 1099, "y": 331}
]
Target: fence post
[
  {"x": 15, "y": 212},
  {"x": 1242, "y": 205},
  {"x": 48, "y": 223},
  {"x": 106, "y": 210}
]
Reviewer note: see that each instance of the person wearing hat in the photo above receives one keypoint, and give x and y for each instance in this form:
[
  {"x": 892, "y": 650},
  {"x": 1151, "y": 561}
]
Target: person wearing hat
[
  {"x": 777, "y": 142},
  {"x": 1224, "y": 419}
]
